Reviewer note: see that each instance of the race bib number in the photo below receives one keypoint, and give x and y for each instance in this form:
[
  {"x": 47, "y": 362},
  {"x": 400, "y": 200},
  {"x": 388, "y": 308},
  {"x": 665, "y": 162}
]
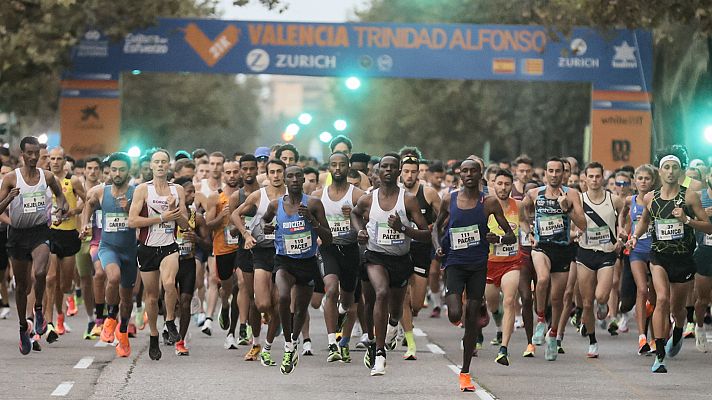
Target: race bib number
[
  {"x": 185, "y": 247},
  {"x": 598, "y": 235},
  {"x": 551, "y": 225},
  {"x": 33, "y": 202},
  {"x": 297, "y": 243},
  {"x": 669, "y": 229},
  {"x": 387, "y": 236},
  {"x": 117, "y": 222},
  {"x": 98, "y": 218},
  {"x": 340, "y": 226},
  {"x": 160, "y": 228},
  {"x": 506, "y": 250},
  {"x": 229, "y": 239},
  {"x": 464, "y": 237}
]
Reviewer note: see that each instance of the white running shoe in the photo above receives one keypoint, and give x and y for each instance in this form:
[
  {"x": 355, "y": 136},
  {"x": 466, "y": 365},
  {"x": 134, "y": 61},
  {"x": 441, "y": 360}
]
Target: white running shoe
[
  {"x": 194, "y": 306},
  {"x": 700, "y": 339},
  {"x": 4, "y": 312},
  {"x": 518, "y": 322},
  {"x": 623, "y": 323},
  {"x": 230, "y": 343},
  {"x": 391, "y": 337},
  {"x": 592, "y": 351},
  {"x": 307, "y": 349},
  {"x": 379, "y": 367},
  {"x": 363, "y": 343},
  {"x": 207, "y": 327}
]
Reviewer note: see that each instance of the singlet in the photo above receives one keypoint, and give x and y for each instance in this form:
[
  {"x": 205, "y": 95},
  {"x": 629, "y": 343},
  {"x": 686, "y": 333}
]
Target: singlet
[
  {"x": 703, "y": 239},
  {"x": 294, "y": 236},
  {"x": 505, "y": 252},
  {"x": 115, "y": 221},
  {"x": 551, "y": 224},
  {"x": 30, "y": 208},
  {"x": 464, "y": 240},
  {"x": 162, "y": 233},
  {"x": 340, "y": 226},
  {"x": 70, "y": 223},
  {"x": 186, "y": 249},
  {"x": 381, "y": 237},
  {"x": 256, "y": 225},
  {"x": 601, "y": 223},
  {"x": 205, "y": 188},
  {"x": 516, "y": 194},
  {"x": 223, "y": 241},
  {"x": 670, "y": 235},
  {"x": 645, "y": 240},
  {"x": 97, "y": 222}
]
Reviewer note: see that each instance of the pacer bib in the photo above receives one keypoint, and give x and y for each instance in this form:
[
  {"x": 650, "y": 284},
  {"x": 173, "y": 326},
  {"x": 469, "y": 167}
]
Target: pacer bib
[
  {"x": 387, "y": 236},
  {"x": 464, "y": 237}
]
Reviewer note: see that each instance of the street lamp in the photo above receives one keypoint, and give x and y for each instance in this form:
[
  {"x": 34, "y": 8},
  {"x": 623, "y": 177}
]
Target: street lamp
[
  {"x": 707, "y": 132},
  {"x": 134, "y": 152},
  {"x": 304, "y": 118},
  {"x": 340, "y": 125},
  {"x": 325, "y": 137},
  {"x": 353, "y": 83},
  {"x": 292, "y": 129}
]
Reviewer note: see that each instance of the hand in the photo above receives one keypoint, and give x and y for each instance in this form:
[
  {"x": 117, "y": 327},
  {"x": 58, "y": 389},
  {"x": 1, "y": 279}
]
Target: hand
[
  {"x": 304, "y": 212},
  {"x": 708, "y": 211},
  {"x": 395, "y": 223},
  {"x": 250, "y": 242},
  {"x": 171, "y": 215},
  {"x": 86, "y": 232},
  {"x": 123, "y": 202},
  {"x": 439, "y": 253},
  {"x": 564, "y": 202},
  {"x": 171, "y": 202},
  {"x": 268, "y": 229},
  {"x": 225, "y": 212},
  {"x": 492, "y": 238},
  {"x": 346, "y": 211},
  {"x": 679, "y": 214},
  {"x": 362, "y": 236},
  {"x": 631, "y": 243},
  {"x": 14, "y": 192}
]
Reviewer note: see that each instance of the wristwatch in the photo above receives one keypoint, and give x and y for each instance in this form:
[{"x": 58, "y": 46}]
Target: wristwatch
[
  {"x": 402, "y": 228},
  {"x": 687, "y": 221}
]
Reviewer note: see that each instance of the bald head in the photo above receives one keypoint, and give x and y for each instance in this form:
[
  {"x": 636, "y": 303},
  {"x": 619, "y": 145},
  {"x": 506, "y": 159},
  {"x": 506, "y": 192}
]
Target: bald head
[{"x": 56, "y": 160}]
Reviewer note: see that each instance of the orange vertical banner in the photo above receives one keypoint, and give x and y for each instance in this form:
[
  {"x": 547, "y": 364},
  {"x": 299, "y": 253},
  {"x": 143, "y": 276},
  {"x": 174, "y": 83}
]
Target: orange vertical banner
[{"x": 90, "y": 117}]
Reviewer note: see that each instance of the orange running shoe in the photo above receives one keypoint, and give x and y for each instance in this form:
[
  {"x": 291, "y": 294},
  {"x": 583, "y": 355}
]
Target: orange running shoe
[
  {"x": 107, "y": 331},
  {"x": 254, "y": 353},
  {"x": 649, "y": 308},
  {"x": 123, "y": 349},
  {"x": 652, "y": 345},
  {"x": 529, "y": 352},
  {"x": 643, "y": 346},
  {"x": 181, "y": 350},
  {"x": 132, "y": 330},
  {"x": 71, "y": 306},
  {"x": 60, "y": 324},
  {"x": 466, "y": 384}
]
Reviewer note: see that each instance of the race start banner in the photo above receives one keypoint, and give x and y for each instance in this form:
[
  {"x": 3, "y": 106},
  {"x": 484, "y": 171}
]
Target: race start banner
[{"x": 612, "y": 61}]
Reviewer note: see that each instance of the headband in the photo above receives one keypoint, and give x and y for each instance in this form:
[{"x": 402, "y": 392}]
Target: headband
[{"x": 667, "y": 158}]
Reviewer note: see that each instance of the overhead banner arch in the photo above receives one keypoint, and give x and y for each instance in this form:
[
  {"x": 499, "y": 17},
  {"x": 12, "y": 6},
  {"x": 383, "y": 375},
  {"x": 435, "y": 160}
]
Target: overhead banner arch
[{"x": 618, "y": 64}]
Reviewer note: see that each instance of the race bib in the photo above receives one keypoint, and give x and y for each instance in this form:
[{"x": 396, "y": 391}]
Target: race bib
[
  {"x": 669, "y": 229},
  {"x": 464, "y": 237},
  {"x": 598, "y": 235},
  {"x": 551, "y": 225},
  {"x": 33, "y": 202},
  {"x": 159, "y": 228},
  {"x": 387, "y": 236},
  {"x": 229, "y": 239},
  {"x": 708, "y": 240},
  {"x": 506, "y": 250},
  {"x": 298, "y": 243},
  {"x": 340, "y": 226},
  {"x": 98, "y": 218},
  {"x": 117, "y": 222},
  {"x": 524, "y": 238},
  {"x": 185, "y": 247}
]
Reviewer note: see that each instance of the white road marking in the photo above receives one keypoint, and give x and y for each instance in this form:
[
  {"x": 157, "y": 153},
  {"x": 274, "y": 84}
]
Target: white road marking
[
  {"x": 84, "y": 363},
  {"x": 419, "y": 332},
  {"x": 454, "y": 368},
  {"x": 101, "y": 344},
  {"x": 435, "y": 349},
  {"x": 63, "y": 389}
]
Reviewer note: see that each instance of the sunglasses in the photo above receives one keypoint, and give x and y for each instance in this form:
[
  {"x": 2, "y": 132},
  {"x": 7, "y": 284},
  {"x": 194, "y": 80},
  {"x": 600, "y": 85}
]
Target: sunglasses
[
  {"x": 262, "y": 158},
  {"x": 622, "y": 183}
]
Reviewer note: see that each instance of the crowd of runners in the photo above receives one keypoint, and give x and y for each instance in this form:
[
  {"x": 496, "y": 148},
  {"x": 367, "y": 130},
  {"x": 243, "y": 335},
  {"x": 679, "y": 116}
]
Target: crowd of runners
[{"x": 255, "y": 240}]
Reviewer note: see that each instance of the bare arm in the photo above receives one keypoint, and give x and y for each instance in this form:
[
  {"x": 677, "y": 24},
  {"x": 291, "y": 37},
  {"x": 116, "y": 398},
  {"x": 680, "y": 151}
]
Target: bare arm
[
  {"x": 576, "y": 212},
  {"x": 182, "y": 220},
  {"x": 358, "y": 217},
  {"x": 316, "y": 209},
  {"x": 412, "y": 208},
  {"x": 8, "y": 191},
  {"x": 62, "y": 205},
  {"x": 90, "y": 206},
  {"x": 701, "y": 222},
  {"x": 80, "y": 192},
  {"x": 494, "y": 208},
  {"x": 135, "y": 219}
]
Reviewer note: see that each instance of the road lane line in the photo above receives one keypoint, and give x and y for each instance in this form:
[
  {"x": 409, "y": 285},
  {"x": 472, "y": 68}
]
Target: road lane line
[
  {"x": 63, "y": 389},
  {"x": 101, "y": 344},
  {"x": 84, "y": 363},
  {"x": 435, "y": 349},
  {"x": 419, "y": 332},
  {"x": 454, "y": 368}
]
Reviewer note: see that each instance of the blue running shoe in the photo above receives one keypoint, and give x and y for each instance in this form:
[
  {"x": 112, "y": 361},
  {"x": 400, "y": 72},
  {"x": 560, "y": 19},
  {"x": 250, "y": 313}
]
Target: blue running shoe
[
  {"x": 539, "y": 332},
  {"x": 40, "y": 323},
  {"x": 673, "y": 350},
  {"x": 659, "y": 366},
  {"x": 25, "y": 339}
]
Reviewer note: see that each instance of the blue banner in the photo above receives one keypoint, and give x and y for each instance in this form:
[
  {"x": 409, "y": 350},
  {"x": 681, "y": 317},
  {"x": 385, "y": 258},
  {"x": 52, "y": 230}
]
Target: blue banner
[{"x": 615, "y": 60}]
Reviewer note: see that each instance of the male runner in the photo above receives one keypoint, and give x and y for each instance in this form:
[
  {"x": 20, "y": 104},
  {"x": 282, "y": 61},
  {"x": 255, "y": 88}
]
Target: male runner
[{"x": 703, "y": 277}]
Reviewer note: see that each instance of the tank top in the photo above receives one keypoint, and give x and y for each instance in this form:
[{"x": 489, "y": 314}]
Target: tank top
[
  {"x": 96, "y": 220},
  {"x": 645, "y": 240},
  {"x": 703, "y": 239},
  {"x": 505, "y": 252},
  {"x": 381, "y": 237},
  {"x": 162, "y": 233},
  {"x": 670, "y": 235},
  {"x": 294, "y": 236},
  {"x": 186, "y": 250},
  {"x": 601, "y": 222},
  {"x": 68, "y": 224},
  {"x": 551, "y": 224},
  {"x": 516, "y": 194},
  {"x": 205, "y": 188},
  {"x": 115, "y": 221},
  {"x": 223, "y": 241},
  {"x": 31, "y": 207},
  {"x": 340, "y": 226},
  {"x": 465, "y": 234},
  {"x": 256, "y": 225}
]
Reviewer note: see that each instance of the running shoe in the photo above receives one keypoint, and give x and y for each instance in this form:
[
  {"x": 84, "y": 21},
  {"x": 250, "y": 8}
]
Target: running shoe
[
  {"x": 200, "y": 319},
  {"x": 550, "y": 352},
  {"x": 88, "y": 334},
  {"x": 289, "y": 362},
  {"x": 181, "y": 350},
  {"x": 559, "y": 347},
  {"x": 391, "y": 337},
  {"x": 652, "y": 345},
  {"x": 502, "y": 358},
  {"x": 623, "y": 323},
  {"x": 194, "y": 305},
  {"x": 673, "y": 349},
  {"x": 435, "y": 313},
  {"x": 173, "y": 331},
  {"x": 643, "y": 347},
  {"x": 40, "y": 323},
  {"x": 659, "y": 366},
  {"x": 230, "y": 343},
  {"x": 140, "y": 318},
  {"x": 466, "y": 384},
  {"x": 689, "y": 331},
  {"x": 334, "y": 353},
  {"x": 529, "y": 352},
  {"x": 154, "y": 351},
  {"x": 4, "y": 312},
  {"x": 123, "y": 348},
  {"x": 107, "y": 331},
  {"x": 243, "y": 339},
  {"x": 167, "y": 341},
  {"x": 307, "y": 348},
  {"x": 497, "y": 341},
  {"x": 266, "y": 359},
  {"x": 518, "y": 322},
  {"x": 363, "y": 343},
  {"x": 71, "y": 306},
  {"x": 613, "y": 327},
  {"x": 701, "y": 339},
  {"x": 379, "y": 366},
  {"x": 370, "y": 357},
  {"x": 207, "y": 327},
  {"x": 539, "y": 332},
  {"x": 224, "y": 318},
  {"x": 26, "y": 339},
  {"x": 254, "y": 353},
  {"x": 592, "y": 351},
  {"x": 36, "y": 343},
  {"x": 601, "y": 311},
  {"x": 60, "y": 325},
  {"x": 576, "y": 321},
  {"x": 131, "y": 330},
  {"x": 98, "y": 325},
  {"x": 410, "y": 355},
  {"x": 345, "y": 354},
  {"x": 52, "y": 335}
]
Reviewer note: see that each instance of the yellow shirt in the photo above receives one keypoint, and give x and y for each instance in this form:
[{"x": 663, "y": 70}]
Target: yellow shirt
[{"x": 68, "y": 190}]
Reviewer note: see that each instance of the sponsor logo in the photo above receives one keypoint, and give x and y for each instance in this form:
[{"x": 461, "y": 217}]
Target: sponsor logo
[
  {"x": 578, "y": 49},
  {"x": 89, "y": 112},
  {"x": 145, "y": 44},
  {"x": 366, "y": 62},
  {"x": 620, "y": 150},
  {"x": 257, "y": 60},
  {"x": 293, "y": 226},
  {"x": 385, "y": 62},
  {"x": 533, "y": 66},
  {"x": 625, "y": 56},
  {"x": 211, "y": 51},
  {"x": 621, "y": 120},
  {"x": 92, "y": 35},
  {"x": 504, "y": 66},
  {"x": 309, "y": 61},
  {"x": 91, "y": 46}
]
